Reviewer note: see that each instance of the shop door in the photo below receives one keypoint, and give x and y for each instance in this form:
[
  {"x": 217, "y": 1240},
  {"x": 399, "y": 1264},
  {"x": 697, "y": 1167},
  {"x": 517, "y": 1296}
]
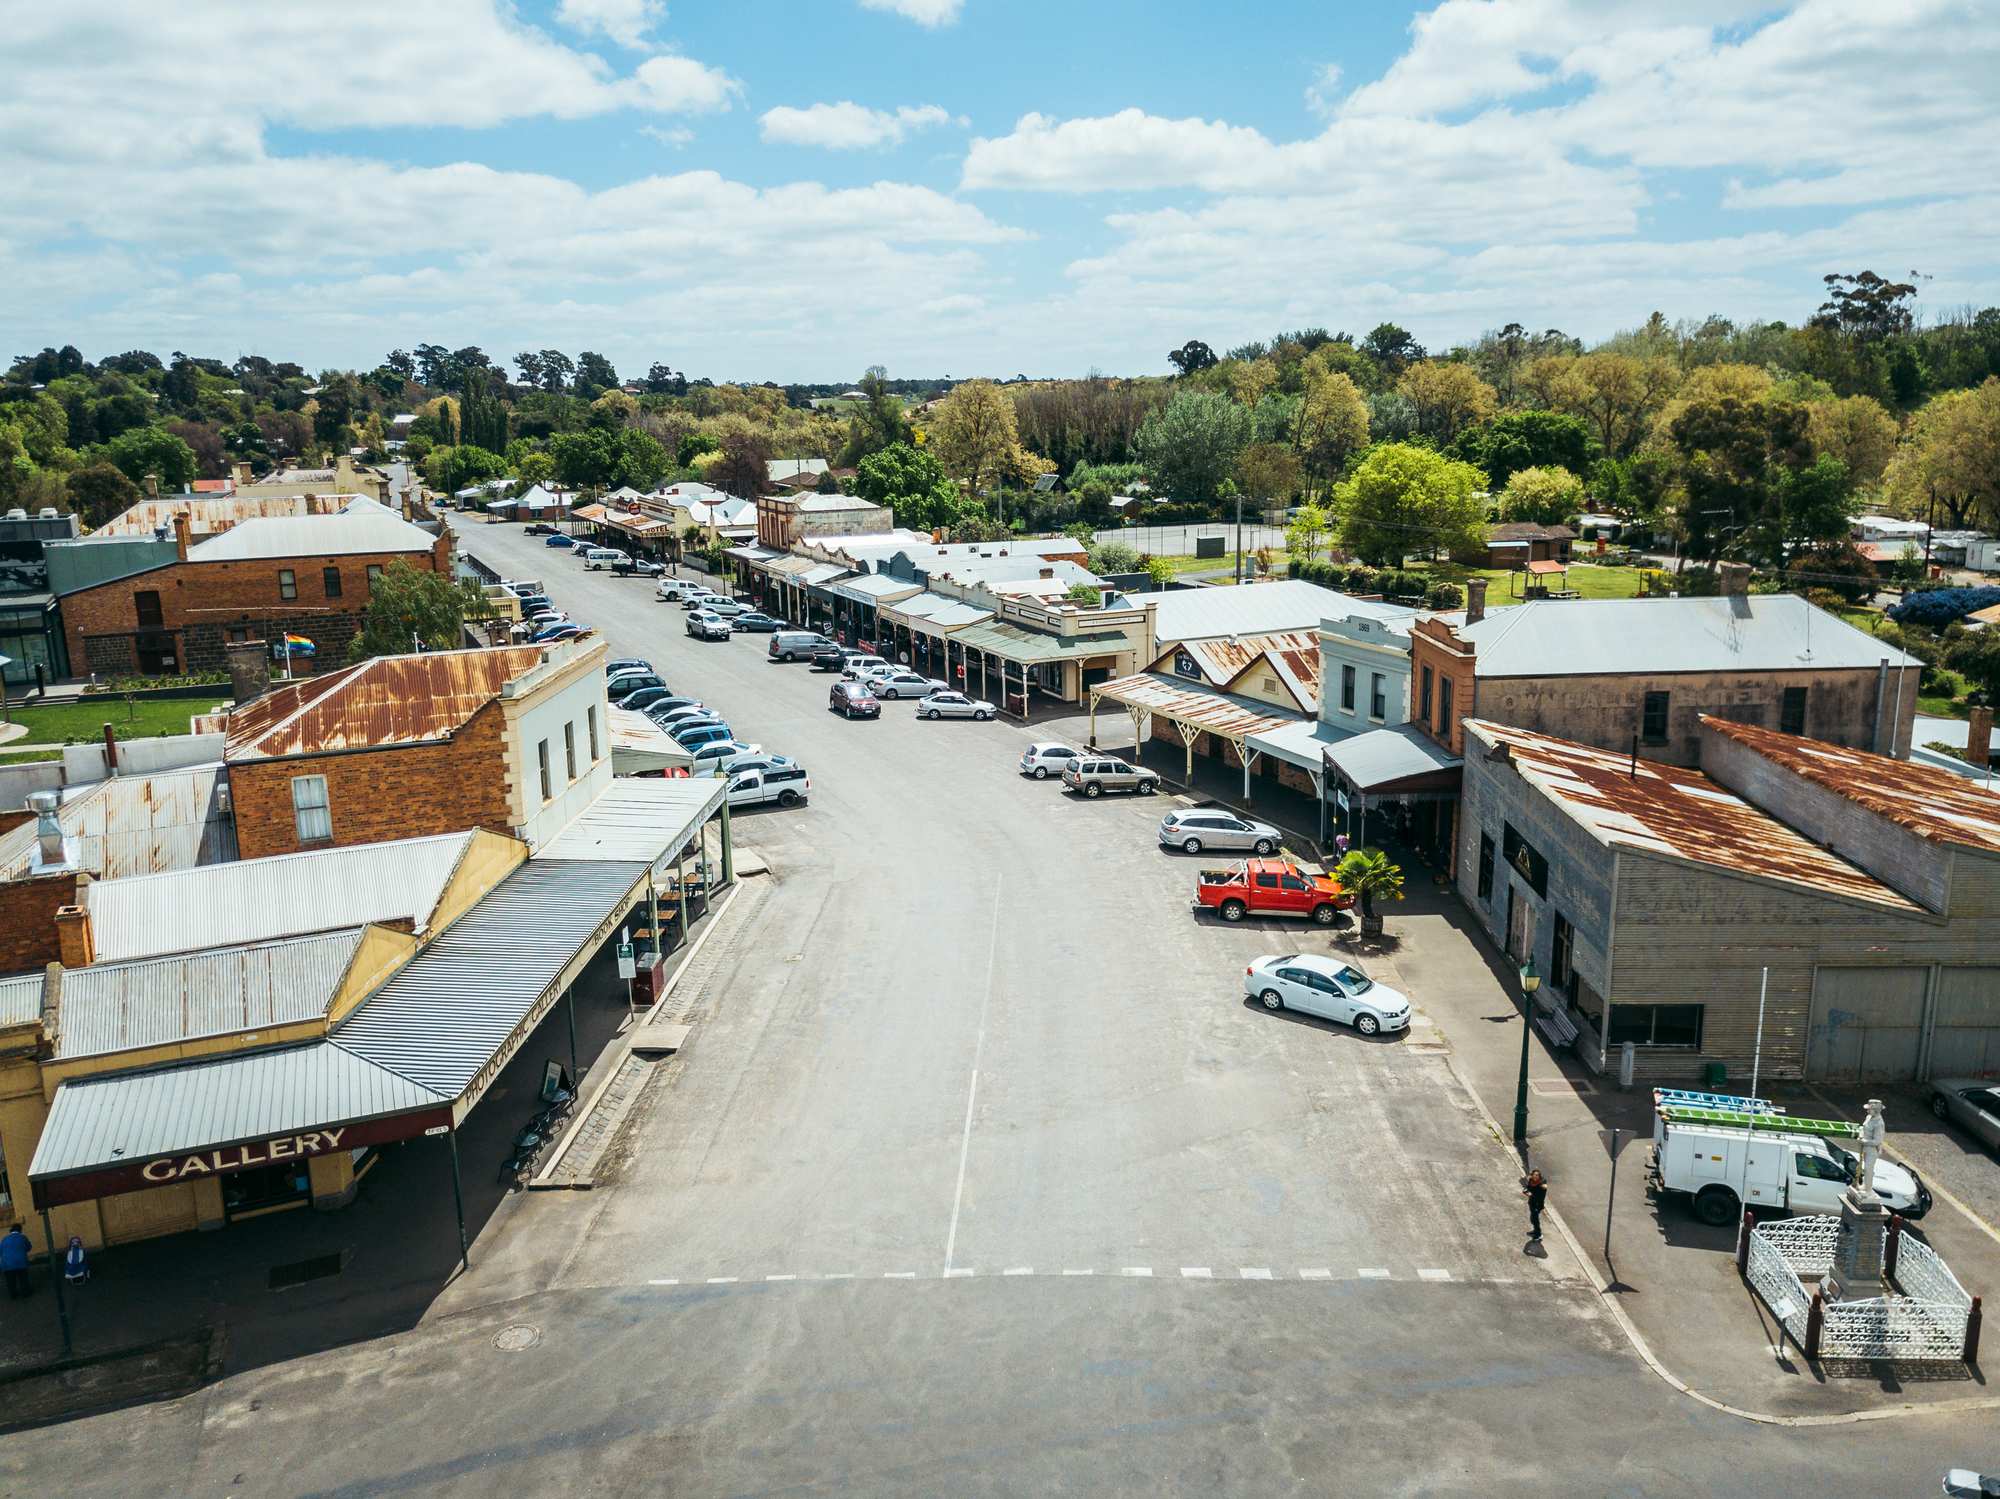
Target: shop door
[
  {"x": 1866, "y": 1024},
  {"x": 1520, "y": 925}
]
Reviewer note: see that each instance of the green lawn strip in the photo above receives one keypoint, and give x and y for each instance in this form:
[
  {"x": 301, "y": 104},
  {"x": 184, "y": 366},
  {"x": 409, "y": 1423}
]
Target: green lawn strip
[
  {"x": 28, "y": 757},
  {"x": 143, "y": 718}
]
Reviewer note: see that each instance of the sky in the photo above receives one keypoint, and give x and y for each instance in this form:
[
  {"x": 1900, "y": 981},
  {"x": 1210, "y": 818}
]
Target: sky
[{"x": 794, "y": 190}]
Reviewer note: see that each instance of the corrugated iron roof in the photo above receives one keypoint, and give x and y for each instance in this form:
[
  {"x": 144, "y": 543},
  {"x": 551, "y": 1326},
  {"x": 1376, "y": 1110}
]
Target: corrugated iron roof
[
  {"x": 136, "y": 824},
  {"x": 212, "y": 514},
  {"x": 1292, "y": 654},
  {"x": 1931, "y": 803},
  {"x": 1665, "y": 809},
  {"x": 1017, "y": 644},
  {"x": 125, "y": 1006},
  {"x": 1254, "y": 609},
  {"x": 442, "y": 1018},
  {"x": 21, "y": 999},
  {"x": 637, "y": 820},
  {"x": 349, "y": 533},
  {"x": 1233, "y": 718},
  {"x": 109, "y": 1121},
  {"x": 638, "y": 744},
  {"x": 389, "y": 700},
  {"x": 224, "y": 905}
]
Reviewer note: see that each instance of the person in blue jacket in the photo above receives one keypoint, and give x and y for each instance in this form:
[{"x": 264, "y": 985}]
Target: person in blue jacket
[{"x": 14, "y": 1262}]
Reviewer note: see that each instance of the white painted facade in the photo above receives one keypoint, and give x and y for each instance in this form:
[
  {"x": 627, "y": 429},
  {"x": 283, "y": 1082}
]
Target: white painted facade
[
  {"x": 551, "y": 711},
  {"x": 1371, "y": 655}
]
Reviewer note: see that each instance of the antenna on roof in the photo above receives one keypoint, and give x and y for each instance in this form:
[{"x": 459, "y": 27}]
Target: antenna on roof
[{"x": 1632, "y": 770}]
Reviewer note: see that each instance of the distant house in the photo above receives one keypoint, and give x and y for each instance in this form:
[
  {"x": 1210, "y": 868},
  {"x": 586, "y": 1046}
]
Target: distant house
[
  {"x": 1514, "y": 544},
  {"x": 794, "y": 473}
]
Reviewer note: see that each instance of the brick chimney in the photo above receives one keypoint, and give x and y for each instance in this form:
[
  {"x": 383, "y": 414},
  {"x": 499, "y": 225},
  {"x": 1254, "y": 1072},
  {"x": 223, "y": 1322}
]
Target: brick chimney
[
  {"x": 249, "y": 669},
  {"x": 183, "y": 533},
  {"x": 1979, "y": 739},
  {"x": 153, "y": 485},
  {"x": 1735, "y": 580},
  {"x": 73, "y": 932},
  {"x": 242, "y": 472},
  {"x": 1475, "y": 600}
]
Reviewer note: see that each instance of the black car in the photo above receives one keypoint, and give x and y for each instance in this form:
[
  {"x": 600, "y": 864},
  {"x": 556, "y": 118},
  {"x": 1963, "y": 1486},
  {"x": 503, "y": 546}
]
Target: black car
[
  {"x": 539, "y": 528},
  {"x": 643, "y": 567},
  {"x": 754, "y": 623},
  {"x": 829, "y": 658},
  {"x": 644, "y": 698},
  {"x": 625, "y": 687}
]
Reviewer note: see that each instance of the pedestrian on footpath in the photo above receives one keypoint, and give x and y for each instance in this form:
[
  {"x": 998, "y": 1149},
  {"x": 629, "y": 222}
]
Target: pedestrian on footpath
[
  {"x": 1537, "y": 1192},
  {"x": 14, "y": 1261},
  {"x": 76, "y": 1268}
]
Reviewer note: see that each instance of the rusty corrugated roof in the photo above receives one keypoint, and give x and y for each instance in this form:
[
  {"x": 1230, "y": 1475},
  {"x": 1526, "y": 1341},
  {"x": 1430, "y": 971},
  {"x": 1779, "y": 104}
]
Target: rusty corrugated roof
[
  {"x": 387, "y": 701},
  {"x": 1665, "y": 809},
  {"x": 1930, "y": 802},
  {"x": 212, "y": 514},
  {"x": 1210, "y": 712}
]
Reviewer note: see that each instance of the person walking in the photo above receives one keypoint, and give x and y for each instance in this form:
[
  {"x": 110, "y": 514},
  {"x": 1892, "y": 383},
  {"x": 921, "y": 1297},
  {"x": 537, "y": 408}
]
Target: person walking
[
  {"x": 1537, "y": 1192},
  {"x": 14, "y": 1262}
]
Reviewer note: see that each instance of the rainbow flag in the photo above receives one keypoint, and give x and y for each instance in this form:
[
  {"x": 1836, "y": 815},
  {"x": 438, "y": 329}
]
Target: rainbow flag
[{"x": 298, "y": 645}]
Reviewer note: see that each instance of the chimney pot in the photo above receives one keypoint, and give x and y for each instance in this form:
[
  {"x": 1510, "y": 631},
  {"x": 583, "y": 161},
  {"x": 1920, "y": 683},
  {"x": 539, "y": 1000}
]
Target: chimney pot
[
  {"x": 1735, "y": 579},
  {"x": 1475, "y": 600},
  {"x": 153, "y": 485},
  {"x": 1979, "y": 739},
  {"x": 110, "y": 750},
  {"x": 73, "y": 934},
  {"x": 249, "y": 669},
  {"x": 183, "y": 533}
]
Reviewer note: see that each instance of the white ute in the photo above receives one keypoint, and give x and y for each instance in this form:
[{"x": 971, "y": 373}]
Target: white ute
[{"x": 1725, "y": 1153}]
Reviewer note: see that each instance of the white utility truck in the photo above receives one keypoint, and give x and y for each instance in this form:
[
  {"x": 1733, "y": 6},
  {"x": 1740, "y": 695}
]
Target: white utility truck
[{"x": 1724, "y": 1153}]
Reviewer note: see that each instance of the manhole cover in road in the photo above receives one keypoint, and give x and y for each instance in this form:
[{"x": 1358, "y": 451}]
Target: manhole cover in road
[{"x": 517, "y": 1339}]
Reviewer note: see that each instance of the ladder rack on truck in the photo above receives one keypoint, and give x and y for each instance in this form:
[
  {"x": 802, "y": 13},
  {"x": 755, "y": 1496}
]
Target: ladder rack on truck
[
  {"x": 1783, "y": 1123},
  {"x": 1688, "y": 1098}
]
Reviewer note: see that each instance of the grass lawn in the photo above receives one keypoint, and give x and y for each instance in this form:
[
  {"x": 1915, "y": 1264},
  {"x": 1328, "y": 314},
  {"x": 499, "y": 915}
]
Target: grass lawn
[
  {"x": 1590, "y": 580},
  {"x": 59, "y": 723},
  {"x": 28, "y": 757}
]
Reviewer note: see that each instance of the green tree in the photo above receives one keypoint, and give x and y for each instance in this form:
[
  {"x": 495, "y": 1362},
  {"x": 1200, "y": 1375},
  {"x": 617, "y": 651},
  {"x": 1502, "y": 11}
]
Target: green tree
[
  {"x": 535, "y": 467},
  {"x": 1370, "y": 874},
  {"x": 1331, "y": 424},
  {"x": 1084, "y": 594},
  {"x": 880, "y": 422},
  {"x": 975, "y": 436},
  {"x": 1192, "y": 357},
  {"x": 1732, "y": 450},
  {"x": 1190, "y": 445},
  {"x": 1111, "y": 557},
  {"x": 456, "y": 466},
  {"x": 744, "y": 468},
  {"x": 340, "y": 401},
  {"x": 414, "y": 604},
  {"x": 1448, "y": 396},
  {"x": 98, "y": 491},
  {"x": 594, "y": 374},
  {"x": 148, "y": 450},
  {"x": 912, "y": 483},
  {"x": 1546, "y": 496},
  {"x": 1308, "y": 531},
  {"x": 1976, "y": 657},
  {"x": 1402, "y": 499},
  {"x": 1953, "y": 453},
  {"x": 1268, "y": 471},
  {"x": 1392, "y": 349},
  {"x": 1811, "y": 507},
  {"x": 1515, "y": 440}
]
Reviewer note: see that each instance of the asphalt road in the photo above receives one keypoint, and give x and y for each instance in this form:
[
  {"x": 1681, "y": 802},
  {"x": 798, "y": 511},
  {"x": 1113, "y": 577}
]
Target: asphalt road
[{"x": 980, "y": 1177}]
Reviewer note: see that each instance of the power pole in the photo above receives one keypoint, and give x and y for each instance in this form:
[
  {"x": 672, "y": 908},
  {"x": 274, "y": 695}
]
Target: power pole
[{"x": 1239, "y": 539}]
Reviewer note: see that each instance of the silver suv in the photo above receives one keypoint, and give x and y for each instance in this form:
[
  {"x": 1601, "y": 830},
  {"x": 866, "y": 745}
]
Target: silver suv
[
  {"x": 1094, "y": 775},
  {"x": 1198, "y": 828}
]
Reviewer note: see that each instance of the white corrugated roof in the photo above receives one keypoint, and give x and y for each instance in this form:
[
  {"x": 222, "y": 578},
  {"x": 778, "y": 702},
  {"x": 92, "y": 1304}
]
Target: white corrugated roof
[
  {"x": 1254, "y": 609},
  {"x": 111, "y": 1007},
  {"x": 21, "y": 999},
  {"x": 135, "y": 824},
  {"x": 1603, "y": 637},
  {"x": 258, "y": 900},
  {"x": 636, "y": 820},
  {"x": 313, "y": 536}
]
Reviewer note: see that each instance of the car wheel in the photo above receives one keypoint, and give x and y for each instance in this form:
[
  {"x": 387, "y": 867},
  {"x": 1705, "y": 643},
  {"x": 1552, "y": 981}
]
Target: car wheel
[
  {"x": 1715, "y": 1206},
  {"x": 788, "y": 798},
  {"x": 1191, "y": 846},
  {"x": 1939, "y": 1107},
  {"x": 933, "y": 714},
  {"x": 1368, "y": 1025},
  {"x": 1232, "y": 910},
  {"x": 1041, "y": 772},
  {"x": 787, "y": 656},
  {"x": 982, "y": 715},
  {"x": 1093, "y": 789},
  {"x": 1324, "y": 914},
  {"x": 1272, "y": 999},
  {"x": 1263, "y": 848},
  {"x": 1147, "y": 788}
]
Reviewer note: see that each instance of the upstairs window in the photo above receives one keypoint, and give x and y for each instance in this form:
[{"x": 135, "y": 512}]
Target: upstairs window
[
  {"x": 288, "y": 583},
  {"x": 311, "y": 814},
  {"x": 1653, "y": 718},
  {"x": 330, "y": 580},
  {"x": 1792, "y": 711}
]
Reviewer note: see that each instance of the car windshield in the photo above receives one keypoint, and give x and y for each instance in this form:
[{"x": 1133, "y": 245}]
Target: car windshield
[{"x": 1354, "y": 980}]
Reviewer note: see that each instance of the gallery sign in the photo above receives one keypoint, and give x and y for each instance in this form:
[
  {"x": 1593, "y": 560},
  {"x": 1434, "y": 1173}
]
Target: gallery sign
[{"x": 243, "y": 1157}]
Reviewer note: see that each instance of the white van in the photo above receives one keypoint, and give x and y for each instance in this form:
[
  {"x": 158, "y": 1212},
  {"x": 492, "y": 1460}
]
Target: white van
[{"x": 599, "y": 557}]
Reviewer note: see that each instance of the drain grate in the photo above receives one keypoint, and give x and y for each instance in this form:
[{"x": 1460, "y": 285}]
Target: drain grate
[{"x": 319, "y": 1267}]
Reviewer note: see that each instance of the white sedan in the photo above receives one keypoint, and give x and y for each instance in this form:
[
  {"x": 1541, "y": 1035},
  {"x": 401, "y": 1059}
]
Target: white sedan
[
  {"x": 898, "y": 682},
  {"x": 1044, "y": 760},
  {"x": 953, "y": 705},
  {"x": 1329, "y": 988}
]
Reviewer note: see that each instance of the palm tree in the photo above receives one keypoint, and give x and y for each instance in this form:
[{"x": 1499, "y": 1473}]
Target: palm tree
[{"x": 1370, "y": 875}]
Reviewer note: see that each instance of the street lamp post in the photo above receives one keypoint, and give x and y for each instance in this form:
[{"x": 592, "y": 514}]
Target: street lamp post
[{"x": 1530, "y": 982}]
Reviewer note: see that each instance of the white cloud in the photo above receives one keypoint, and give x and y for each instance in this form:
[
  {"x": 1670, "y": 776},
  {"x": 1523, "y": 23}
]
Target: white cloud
[
  {"x": 668, "y": 135},
  {"x": 680, "y": 85},
  {"x": 1323, "y": 93},
  {"x": 848, "y": 126},
  {"x": 625, "y": 22},
  {"x": 923, "y": 12}
]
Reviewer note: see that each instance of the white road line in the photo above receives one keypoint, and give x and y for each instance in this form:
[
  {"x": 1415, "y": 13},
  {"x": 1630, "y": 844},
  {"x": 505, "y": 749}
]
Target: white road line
[
  {"x": 781, "y": 1277},
  {"x": 1079, "y": 1272},
  {"x": 972, "y": 1089},
  {"x": 955, "y": 1274},
  {"x": 839, "y": 1275},
  {"x": 1020, "y": 1270},
  {"x": 722, "y": 1280},
  {"x": 1137, "y": 1270},
  {"x": 1367, "y": 1274},
  {"x": 899, "y": 1275},
  {"x": 662, "y": 1282},
  {"x": 1251, "y": 1274},
  {"x": 1195, "y": 1272},
  {"x": 1315, "y": 1275},
  {"x": 1433, "y": 1275}
]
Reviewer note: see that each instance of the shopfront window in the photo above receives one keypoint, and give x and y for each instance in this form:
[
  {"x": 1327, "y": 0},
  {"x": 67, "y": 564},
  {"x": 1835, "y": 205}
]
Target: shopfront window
[
  {"x": 265, "y": 1187},
  {"x": 1656, "y": 1025},
  {"x": 1485, "y": 867}
]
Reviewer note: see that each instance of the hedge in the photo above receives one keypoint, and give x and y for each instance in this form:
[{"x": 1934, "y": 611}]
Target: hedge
[{"x": 1940, "y": 606}]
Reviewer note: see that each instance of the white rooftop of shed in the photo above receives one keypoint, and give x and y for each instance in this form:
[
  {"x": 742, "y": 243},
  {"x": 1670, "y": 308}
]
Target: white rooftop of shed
[{"x": 349, "y": 533}]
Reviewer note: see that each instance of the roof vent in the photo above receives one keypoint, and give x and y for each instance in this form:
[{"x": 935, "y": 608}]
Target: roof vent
[
  {"x": 49, "y": 851},
  {"x": 48, "y": 512},
  {"x": 17, "y": 513}
]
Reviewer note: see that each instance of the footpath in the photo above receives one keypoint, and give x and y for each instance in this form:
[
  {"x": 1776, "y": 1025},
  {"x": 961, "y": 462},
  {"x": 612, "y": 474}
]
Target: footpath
[{"x": 1671, "y": 1280}]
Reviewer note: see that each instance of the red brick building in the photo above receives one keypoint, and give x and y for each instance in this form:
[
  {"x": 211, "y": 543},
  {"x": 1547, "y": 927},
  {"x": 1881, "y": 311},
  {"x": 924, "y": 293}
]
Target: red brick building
[
  {"x": 512, "y": 739},
  {"x": 303, "y": 575}
]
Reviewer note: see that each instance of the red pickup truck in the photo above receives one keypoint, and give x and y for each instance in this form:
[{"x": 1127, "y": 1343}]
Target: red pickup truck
[{"x": 1269, "y": 887}]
